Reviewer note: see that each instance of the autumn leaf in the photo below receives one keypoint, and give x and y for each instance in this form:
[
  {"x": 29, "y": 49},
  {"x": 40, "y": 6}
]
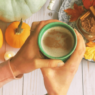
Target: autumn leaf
[
  {"x": 88, "y": 3},
  {"x": 94, "y": 3},
  {"x": 75, "y": 13},
  {"x": 90, "y": 44}
]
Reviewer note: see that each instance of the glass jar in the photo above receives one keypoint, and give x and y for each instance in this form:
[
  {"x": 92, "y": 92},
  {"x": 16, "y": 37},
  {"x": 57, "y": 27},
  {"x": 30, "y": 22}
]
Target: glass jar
[{"x": 87, "y": 35}]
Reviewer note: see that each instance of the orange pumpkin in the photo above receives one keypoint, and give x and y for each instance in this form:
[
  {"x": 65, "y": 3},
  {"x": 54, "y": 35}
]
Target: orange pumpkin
[
  {"x": 1, "y": 38},
  {"x": 17, "y": 33}
]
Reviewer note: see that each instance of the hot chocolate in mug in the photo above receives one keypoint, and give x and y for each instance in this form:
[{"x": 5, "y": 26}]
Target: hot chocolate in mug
[{"x": 57, "y": 40}]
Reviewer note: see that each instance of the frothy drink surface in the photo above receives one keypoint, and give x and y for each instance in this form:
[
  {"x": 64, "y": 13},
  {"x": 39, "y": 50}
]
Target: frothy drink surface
[{"x": 57, "y": 41}]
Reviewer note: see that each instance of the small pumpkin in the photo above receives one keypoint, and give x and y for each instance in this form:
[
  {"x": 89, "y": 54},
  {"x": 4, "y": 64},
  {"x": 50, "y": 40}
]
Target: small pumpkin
[
  {"x": 1, "y": 38},
  {"x": 17, "y": 33}
]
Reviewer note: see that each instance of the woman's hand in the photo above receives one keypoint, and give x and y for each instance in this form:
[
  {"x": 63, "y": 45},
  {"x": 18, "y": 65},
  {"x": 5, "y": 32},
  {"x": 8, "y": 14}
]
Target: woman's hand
[
  {"x": 58, "y": 80},
  {"x": 29, "y": 57}
]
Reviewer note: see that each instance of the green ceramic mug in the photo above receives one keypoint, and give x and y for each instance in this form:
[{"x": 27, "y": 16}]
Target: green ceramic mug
[{"x": 56, "y": 24}]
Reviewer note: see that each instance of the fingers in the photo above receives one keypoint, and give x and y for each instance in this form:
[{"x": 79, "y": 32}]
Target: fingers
[
  {"x": 43, "y": 23},
  {"x": 80, "y": 44},
  {"x": 47, "y": 63},
  {"x": 78, "y": 54},
  {"x": 34, "y": 25}
]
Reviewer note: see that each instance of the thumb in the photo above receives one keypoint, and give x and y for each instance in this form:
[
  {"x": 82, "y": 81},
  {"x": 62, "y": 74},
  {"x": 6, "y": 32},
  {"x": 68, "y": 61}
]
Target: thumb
[{"x": 47, "y": 63}]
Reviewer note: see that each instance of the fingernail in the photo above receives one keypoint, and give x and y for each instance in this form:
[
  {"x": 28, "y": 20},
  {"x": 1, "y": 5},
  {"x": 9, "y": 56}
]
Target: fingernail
[
  {"x": 60, "y": 64},
  {"x": 76, "y": 31}
]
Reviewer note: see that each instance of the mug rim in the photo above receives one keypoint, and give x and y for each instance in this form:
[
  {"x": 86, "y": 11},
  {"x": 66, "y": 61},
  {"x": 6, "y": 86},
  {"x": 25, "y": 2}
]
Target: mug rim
[{"x": 57, "y": 24}]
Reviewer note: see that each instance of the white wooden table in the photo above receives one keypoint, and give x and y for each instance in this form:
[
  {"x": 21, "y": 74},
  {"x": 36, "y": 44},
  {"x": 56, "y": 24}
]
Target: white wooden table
[{"x": 32, "y": 83}]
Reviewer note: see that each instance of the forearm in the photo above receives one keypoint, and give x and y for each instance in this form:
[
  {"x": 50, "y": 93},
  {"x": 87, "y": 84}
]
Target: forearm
[{"x": 6, "y": 73}]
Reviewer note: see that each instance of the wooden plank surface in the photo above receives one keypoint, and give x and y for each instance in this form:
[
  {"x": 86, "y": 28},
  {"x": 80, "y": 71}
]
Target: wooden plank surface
[
  {"x": 89, "y": 78},
  {"x": 13, "y": 88},
  {"x": 76, "y": 87}
]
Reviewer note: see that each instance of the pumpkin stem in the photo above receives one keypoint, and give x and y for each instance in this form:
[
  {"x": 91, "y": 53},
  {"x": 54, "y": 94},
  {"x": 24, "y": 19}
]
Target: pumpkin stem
[{"x": 19, "y": 30}]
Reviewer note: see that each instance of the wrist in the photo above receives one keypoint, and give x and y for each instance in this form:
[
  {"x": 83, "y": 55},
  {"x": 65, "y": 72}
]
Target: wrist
[{"x": 14, "y": 66}]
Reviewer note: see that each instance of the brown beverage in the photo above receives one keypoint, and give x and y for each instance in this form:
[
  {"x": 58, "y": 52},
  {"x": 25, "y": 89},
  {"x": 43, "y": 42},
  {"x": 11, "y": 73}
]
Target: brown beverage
[{"x": 57, "y": 41}]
